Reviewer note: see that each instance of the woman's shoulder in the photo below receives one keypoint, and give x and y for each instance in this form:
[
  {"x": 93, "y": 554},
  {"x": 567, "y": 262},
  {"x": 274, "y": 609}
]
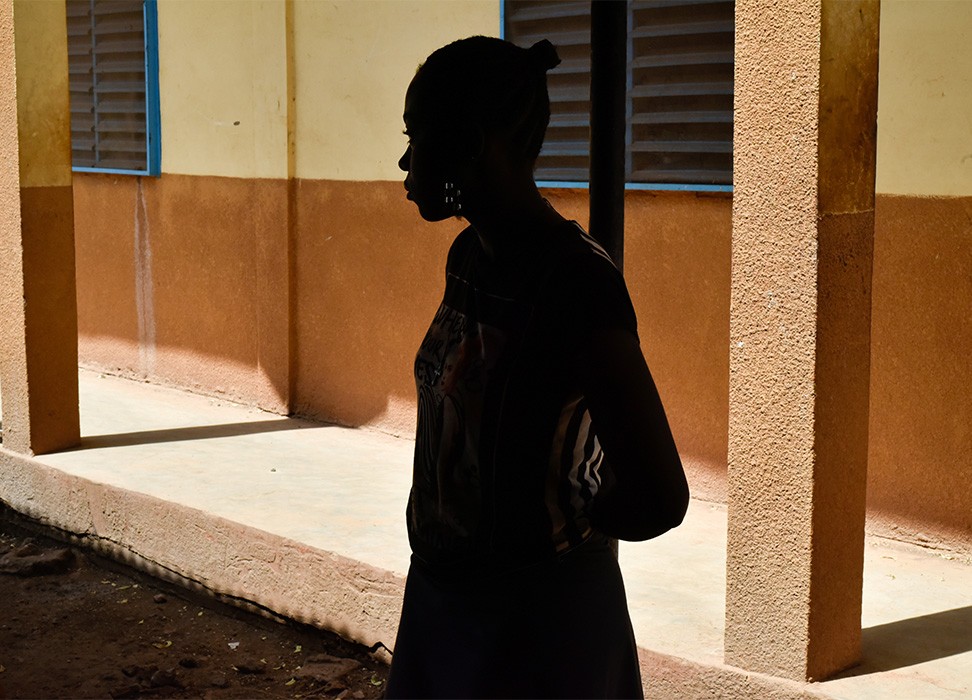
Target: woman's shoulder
[
  {"x": 462, "y": 247},
  {"x": 589, "y": 283},
  {"x": 582, "y": 254}
]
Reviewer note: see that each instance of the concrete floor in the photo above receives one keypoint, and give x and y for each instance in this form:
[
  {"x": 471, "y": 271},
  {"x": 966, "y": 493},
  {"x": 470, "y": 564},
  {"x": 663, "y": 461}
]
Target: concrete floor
[{"x": 343, "y": 491}]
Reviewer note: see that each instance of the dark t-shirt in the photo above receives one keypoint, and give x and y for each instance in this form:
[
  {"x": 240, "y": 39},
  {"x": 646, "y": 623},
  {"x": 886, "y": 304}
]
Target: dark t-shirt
[{"x": 506, "y": 458}]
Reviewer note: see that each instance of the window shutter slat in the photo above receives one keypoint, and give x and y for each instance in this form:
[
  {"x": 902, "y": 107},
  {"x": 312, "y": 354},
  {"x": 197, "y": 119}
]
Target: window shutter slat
[
  {"x": 682, "y": 65},
  {"x": 680, "y": 77},
  {"x": 106, "y": 53},
  {"x": 544, "y": 11},
  {"x": 682, "y": 146},
  {"x": 683, "y": 29},
  {"x": 693, "y": 117},
  {"x": 107, "y": 8},
  {"x": 565, "y": 152},
  {"x": 695, "y": 58},
  {"x": 681, "y": 89}
]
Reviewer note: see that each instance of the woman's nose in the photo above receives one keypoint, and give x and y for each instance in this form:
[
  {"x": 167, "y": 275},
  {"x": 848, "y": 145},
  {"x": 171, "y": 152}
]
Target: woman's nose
[{"x": 406, "y": 158}]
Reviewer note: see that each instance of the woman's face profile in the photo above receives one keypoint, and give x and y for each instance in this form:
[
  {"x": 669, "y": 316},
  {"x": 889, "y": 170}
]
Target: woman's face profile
[{"x": 425, "y": 162}]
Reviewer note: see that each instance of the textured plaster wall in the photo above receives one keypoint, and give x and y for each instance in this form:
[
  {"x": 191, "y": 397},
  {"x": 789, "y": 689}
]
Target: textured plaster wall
[
  {"x": 13, "y": 361},
  {"x": 50, "y": 328},
  {"x": 772, "y": 342},
  {"x": 38, "y": 365},
  {"x": 920, "y": 453},
  {"x": 42, "y": 83},
  {"x": 184, "y": 280},
  {"x": 925, "y": 98},
  {"x": 224, "y": 69},
  {"x": 223, "y": 87},
  {"x": 370, "y": 276},
  {"x": 677, "y": 267},
  {"x": 353, "y": 61},
  {"x": 805, "y": 108}
]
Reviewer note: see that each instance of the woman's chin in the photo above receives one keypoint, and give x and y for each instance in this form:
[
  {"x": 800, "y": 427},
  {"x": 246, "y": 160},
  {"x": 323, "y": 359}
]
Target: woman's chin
[{"x": 432, "y": 213}]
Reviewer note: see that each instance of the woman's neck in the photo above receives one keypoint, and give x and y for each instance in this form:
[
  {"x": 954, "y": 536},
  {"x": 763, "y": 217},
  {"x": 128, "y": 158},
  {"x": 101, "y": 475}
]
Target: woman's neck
[{"x": 513, "y": 222}]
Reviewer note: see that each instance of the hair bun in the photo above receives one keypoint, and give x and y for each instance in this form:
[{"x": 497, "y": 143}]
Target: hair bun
[{"x": 543, "y": 55}]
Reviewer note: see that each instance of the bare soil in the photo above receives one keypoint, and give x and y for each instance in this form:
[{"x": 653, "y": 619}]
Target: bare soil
[{"x": 73, "y": 625}]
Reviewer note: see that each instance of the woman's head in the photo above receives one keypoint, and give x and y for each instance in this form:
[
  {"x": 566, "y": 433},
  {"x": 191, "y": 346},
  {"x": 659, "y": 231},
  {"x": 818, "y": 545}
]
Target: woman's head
[
  {"x": 470, "y": 92},
  {"x": 493, "y": 84}
]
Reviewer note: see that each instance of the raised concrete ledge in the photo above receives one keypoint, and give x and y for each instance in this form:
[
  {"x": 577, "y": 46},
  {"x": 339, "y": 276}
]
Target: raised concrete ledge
[
  {"x": 274, "y": 575},
  {"x": 306, "y": 521},
  {"x": 670, "y": 677},
  {"x": 187, "y": 546}
]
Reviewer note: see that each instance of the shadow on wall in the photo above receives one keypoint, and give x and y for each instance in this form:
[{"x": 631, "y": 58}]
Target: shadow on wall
[{"x": 914, "y": 641}]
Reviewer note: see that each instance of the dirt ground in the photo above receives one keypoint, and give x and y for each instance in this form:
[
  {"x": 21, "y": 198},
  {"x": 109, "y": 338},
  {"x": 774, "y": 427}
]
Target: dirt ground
[{"x": 75, "y": 626}]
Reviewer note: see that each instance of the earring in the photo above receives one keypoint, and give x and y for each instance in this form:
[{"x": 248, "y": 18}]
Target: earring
[{"x": 452, "y": 198}]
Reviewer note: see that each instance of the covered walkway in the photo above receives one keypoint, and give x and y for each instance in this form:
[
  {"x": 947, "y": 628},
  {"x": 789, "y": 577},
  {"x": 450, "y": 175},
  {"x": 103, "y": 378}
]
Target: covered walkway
[{"x": 307, "y": 520}]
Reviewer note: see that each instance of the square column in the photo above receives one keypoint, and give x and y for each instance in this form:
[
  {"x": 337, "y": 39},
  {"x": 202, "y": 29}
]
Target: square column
[
  {"x": 803, "y": 218},
  {"x": 38, "y": 307}
]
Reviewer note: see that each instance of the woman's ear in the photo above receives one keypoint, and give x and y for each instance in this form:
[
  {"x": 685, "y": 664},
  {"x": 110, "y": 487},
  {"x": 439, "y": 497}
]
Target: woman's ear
[{"x": 472, "y": 142}]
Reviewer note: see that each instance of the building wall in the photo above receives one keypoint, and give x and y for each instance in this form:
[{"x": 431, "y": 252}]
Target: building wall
[
  {"x": 276, "y": 262},
  {"x": 184, "y": 279},
  {"x": 353, "y": 61},
  {"x": 925, "y": 99},
  {"x": 38, "y": 336},
  {"x": 194, "y": 279},
  {"x": 368, "y": 274},
  {"x": 223, "y": 88},
  {"x": 920, "y": 456}
]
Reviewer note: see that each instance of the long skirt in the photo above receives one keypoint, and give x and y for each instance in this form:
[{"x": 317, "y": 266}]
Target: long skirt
[{"x": 559, "y": 629}]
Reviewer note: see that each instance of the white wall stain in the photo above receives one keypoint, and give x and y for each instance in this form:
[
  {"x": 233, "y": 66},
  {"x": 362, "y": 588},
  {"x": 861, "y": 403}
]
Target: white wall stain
[{"x": 144, "y": 295}]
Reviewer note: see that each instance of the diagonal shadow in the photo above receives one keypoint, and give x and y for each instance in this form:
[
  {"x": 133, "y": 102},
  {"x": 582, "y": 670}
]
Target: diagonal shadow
[
  {"x": 914, "y": 640},
  {"x": 196, "y": 432}
]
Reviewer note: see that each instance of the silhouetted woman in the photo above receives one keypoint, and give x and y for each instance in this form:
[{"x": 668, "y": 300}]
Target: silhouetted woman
[{"x": 540, "y": 431}]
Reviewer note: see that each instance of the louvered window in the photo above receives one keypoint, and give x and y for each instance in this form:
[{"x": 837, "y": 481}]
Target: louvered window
[
  {"x": 679, "y": 94},
  {"x": 113, "y": 66}
]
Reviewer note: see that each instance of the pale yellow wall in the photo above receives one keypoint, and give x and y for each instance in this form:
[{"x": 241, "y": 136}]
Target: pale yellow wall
[
  {"x": 9, "y": 146},
  {"x": 13, "y": 366},
  {"x": 223, "y": 87},
  {"x": 225, "y": 61},
  {"x": 353, "y": 61},
  {"x": 42, "y": 83},
  {"x": 925, "y": 98}
]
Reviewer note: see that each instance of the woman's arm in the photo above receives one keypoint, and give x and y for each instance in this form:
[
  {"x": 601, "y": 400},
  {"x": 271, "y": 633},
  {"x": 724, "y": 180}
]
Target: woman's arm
[{"x": 650, "y": 494}]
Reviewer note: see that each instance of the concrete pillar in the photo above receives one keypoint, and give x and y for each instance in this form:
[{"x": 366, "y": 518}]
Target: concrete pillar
[
  {"x": 803, "y": 214},
  {"x": 38, "y": 309}
]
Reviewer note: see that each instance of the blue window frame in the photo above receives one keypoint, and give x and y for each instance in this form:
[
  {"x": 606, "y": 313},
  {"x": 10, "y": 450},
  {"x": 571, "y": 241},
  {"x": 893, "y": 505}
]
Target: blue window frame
[
  {"x": 114, "y": 77},
  {"x": 679, "y": 78}
]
